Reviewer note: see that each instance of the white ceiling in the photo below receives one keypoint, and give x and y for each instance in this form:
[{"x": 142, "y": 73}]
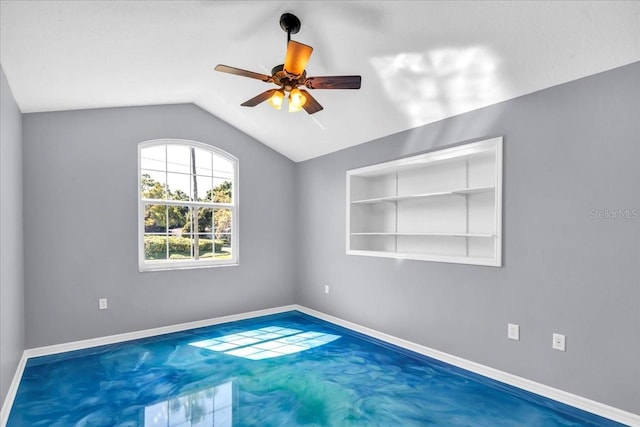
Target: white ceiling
[{"x": 420, "y": 61}]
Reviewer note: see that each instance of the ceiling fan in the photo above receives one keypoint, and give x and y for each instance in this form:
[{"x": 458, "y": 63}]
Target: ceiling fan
[{"x": 291, "y": 76}]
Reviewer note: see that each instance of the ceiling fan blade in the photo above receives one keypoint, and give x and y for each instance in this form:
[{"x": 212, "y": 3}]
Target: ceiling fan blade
[
  {"x": 298, "y": 55},
  {"x": 243, "y": 73},
  {"x": 333, "y": 82},
  {"x": 260, "y": 98},
  {"x": 311, "y": 106}
]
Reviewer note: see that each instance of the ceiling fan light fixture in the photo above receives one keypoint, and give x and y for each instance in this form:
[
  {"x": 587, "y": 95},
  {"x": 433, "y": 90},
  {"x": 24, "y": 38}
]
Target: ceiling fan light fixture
[
  {"x": 277, "y": 99},
  {"x": 294, "y": 109},
  {"x": 296, "y": 100},
  {"x": 296, "y": 59}
]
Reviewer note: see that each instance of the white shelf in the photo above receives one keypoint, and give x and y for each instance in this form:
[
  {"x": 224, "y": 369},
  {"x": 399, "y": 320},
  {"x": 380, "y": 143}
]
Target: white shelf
[
  {"x": 460, "y": 192},
  {"x": 424, "y": 234},
  {"x": 458, "y": 188},
  {"x": 423, "y": 257}
]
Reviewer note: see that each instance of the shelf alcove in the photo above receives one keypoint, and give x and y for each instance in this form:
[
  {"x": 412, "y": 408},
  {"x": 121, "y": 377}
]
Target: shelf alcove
[{"x": 444, "y": 206}]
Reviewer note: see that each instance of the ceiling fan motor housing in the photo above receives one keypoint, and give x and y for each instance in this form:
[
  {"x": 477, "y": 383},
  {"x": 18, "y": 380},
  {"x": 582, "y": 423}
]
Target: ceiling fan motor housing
[{"x": 286, "y": 80}]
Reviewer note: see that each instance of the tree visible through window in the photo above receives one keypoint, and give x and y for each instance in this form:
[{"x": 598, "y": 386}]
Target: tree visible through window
[{"x": 188, "y": 205}]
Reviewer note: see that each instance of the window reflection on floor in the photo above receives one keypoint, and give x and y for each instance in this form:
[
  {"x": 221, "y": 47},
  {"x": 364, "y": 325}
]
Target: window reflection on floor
[
  {"x": 210, "y": 407},
  {"x": 265, "y": 343}
]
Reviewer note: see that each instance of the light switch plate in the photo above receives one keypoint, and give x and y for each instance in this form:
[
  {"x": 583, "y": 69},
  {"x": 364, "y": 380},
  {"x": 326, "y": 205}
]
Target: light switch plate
[{"x": 559, "y": 342}]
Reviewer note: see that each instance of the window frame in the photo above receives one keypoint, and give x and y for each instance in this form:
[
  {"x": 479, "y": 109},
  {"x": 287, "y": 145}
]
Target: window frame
[{"x": 172, "y": 264}]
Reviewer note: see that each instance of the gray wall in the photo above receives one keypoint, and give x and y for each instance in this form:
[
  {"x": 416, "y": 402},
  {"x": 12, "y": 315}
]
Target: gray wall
[
  {"x": 567, "y": 150},
  {"x": 81, "y": 229},
  {"x": 11, "y": 247}
]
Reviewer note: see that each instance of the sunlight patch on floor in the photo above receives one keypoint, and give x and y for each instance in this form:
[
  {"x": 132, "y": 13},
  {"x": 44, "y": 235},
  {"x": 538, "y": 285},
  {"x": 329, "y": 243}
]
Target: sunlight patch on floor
[{"x": 265, "y": 343}]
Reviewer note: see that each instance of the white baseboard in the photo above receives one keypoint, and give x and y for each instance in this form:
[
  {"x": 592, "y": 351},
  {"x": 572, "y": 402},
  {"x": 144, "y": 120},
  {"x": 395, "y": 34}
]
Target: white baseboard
[
  {"x": 541, "y": 389},
  {"x": 570, "y": 399},
  {"x": 112, "y": 339},
  {"x": 11, "y": 393}
]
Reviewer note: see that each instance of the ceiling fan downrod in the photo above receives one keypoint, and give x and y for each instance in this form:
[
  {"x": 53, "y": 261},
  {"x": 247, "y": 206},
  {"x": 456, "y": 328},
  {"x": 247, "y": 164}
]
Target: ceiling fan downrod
[{"x": 290, "y": 24}]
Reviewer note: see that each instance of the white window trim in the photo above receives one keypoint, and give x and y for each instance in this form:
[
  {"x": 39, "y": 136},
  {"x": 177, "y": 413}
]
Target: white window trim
[{"x": 144, "y": 265}]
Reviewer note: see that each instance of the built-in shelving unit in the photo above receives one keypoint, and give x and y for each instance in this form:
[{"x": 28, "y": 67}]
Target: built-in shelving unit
[{"x": 444, "y": 206}]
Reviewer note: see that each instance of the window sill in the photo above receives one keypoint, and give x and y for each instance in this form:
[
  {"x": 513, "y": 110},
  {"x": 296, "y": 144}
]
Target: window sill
[{"x": 168, "y": 267}]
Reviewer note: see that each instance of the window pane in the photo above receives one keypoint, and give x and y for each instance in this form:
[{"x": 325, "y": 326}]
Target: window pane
[
  {"x": 153, "y": 158},
  {"x": 222, "y": 232},
  {"x": 155, "y": 165},
  {"x": 222, "y": 166},
  {"x": 179, "y": 186},
  {"x": 203, "y": 163},
  {"x": 222, "y": 191},
  {"x": 180, "y": 247},
  {"x": 205, "y": 245},
  {"x": 223, "y": 176},
  {"x": 205, "y": 221},
  {"x": 152, "y": 184},
  {"x": 178, "y": 159},
  {"x": 155, "y": 247},
  {"x": 205, "y": 188},
  {"x": 178, "y": 217},
  {"x": 222, "y": 224},
  {"x": 155, "y": 219}
]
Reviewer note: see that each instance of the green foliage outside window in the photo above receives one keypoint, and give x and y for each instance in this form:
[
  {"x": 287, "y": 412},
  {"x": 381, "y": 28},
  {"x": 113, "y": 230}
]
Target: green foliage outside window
[
  {"x": 155, "y": 247},
  {"x": 159, "y": 218},
  {"x": 173, "y": 223}
]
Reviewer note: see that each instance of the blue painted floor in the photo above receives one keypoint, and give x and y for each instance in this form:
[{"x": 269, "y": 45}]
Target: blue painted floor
[{"x": 282, "y": 370}]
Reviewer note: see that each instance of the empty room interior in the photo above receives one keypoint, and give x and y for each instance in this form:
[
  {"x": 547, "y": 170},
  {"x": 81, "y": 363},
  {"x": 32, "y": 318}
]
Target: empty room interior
[{"x": 454, "y": 182}]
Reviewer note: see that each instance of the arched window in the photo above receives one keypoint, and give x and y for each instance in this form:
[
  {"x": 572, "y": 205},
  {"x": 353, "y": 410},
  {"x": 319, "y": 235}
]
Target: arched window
[{"x": 188, "y": 205}]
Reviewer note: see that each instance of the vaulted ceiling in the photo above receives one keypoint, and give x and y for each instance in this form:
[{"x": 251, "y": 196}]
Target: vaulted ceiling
[{"x": 420, "y": 61}]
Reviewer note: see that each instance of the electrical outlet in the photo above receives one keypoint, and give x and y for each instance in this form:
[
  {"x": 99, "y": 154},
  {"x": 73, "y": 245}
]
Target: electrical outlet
[
  {"x": 326, "y": 289},
  {"x": 102, "y": 303},
  {"x": 513, "y": 332},
  {"x": 559, "y": 342}
]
